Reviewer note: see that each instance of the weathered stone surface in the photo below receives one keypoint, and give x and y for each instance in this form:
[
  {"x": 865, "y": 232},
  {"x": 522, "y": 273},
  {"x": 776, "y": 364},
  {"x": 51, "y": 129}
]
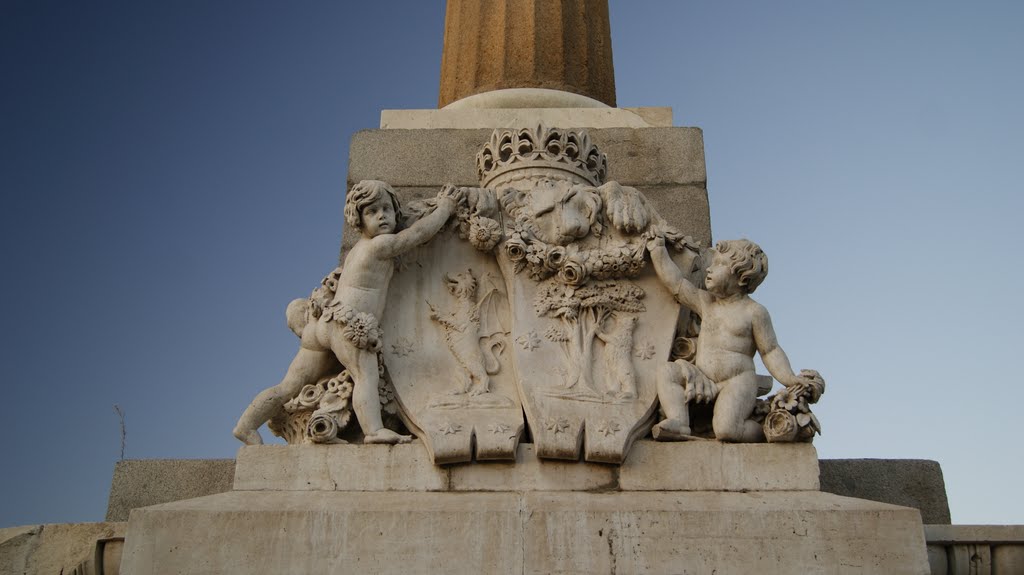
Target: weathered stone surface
[
  {"x": 714, "y": 466},
  {"x": 431, "y": 158},
  {"x": 529, "y": 473},
  {"x": 837, "y": 476},
  {"x": 338, "y": 468},
  {"x": 701, "y": 532},
  {"x": 54, "y": 548},
  {"x": 328, "y": 532},
  {"x": 526, "y": 117},
  {"x": 144, "y": 482},
  {"x": 533, "y": 532},
  {"x": 562, "y": 45},
  {"x": 909, "y": 482},
  {"x": 651, "y": 466},
  {"x": 975, "y": 549}
]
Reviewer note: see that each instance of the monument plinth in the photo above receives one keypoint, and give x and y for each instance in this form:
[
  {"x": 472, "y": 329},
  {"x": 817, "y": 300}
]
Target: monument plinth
[
  {"x": 672, "y": 508},
  {"x": 528, "y": 297}
]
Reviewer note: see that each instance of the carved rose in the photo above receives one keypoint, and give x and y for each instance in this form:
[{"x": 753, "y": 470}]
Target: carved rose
[
  {"x": 322, "y": 428},
  {"x": 484, "y": 233},
  {"x": 554, "y": 258},
  {"x": 780, "y": 426},
  {"x": 310, "y": 395},
  {"x": 573, "y": 272},
  {"x": 515, "y": 249},
  {"x": 684, "y": 348}
]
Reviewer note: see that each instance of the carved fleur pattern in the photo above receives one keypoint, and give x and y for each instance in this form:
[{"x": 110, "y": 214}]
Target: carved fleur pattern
[
  {"x": 402, "y": 347},
  {"x": 498, "y": 428},
  {"x": 450, "y": 428},
  {"x": 557, "y": 425},
  {"x": 529, "y": 340},
  {"x": 607, "y": 428},
  {"x": 645, "y": 350}
]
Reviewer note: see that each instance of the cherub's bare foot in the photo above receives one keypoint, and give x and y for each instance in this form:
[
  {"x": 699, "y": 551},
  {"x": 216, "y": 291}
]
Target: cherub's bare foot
[
  {"x": 385, "y": 435},
  {"x": 478, "y": 391},
  {"x": 248, "y": 436},
  {"x": 626, "y": 395},
  {"x": 671, "y": 430}
]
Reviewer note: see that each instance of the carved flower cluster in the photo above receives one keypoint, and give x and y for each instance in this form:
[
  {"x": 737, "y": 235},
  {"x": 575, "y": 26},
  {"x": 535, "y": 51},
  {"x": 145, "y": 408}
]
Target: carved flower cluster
[
  {"x": 472, "y": 221},
  {"x": 360, "y": 328},
  {"x": 484, "y": 233},
  {"x": 328, "y": 406},
  {"x": 789, "y": 416},
  {"x": 572, "y": 266},
  {"x": 323, "y": 295}
]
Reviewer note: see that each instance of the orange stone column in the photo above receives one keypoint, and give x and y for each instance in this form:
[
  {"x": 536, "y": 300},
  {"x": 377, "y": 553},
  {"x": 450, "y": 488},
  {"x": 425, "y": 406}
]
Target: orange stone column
[{"x": 552, "y": 44}]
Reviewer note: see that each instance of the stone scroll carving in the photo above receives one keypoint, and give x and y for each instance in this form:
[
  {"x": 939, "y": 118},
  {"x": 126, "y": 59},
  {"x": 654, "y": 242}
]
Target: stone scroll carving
[{"x": 547, "y": 299}]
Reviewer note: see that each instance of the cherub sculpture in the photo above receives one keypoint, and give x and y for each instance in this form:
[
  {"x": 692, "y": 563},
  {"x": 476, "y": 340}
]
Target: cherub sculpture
[
  {"x": 346, "y": 326},
  {"x": 733, "y": 327}
]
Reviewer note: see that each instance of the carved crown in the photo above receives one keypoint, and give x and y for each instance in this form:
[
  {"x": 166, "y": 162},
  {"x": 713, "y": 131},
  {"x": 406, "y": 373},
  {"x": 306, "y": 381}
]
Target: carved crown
[{"x": 568, "y": 151}]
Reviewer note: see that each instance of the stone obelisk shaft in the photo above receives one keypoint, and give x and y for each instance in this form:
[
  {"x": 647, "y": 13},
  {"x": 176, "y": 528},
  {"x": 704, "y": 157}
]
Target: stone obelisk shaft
[{"x": 560, "y": 45}]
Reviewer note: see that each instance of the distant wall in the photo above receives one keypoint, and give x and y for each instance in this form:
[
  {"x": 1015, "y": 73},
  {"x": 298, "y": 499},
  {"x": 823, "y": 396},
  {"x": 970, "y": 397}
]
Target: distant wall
[
  {"x": 907, "y": 482},
  {"x": 53, "y": 548},
  {"x": 145, "y": 482}
]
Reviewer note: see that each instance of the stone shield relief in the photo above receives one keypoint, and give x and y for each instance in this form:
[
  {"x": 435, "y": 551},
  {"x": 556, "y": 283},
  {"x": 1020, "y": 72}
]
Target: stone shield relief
[
  {"x": 447, "y": 352},
  {"x": 536, "y": 299}
]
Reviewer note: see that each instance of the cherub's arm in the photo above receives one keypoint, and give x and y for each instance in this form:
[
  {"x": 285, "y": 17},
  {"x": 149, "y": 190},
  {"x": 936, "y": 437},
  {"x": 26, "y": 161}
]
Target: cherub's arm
[
  {"x": 673, "y": 278},
  {"x": 391, "y": 245},
  {"x": 771, "y": 354}
]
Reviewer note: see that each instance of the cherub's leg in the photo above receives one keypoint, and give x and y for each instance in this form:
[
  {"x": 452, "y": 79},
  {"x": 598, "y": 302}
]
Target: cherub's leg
[
  {"x": 672, "y": 380},
  {"x": 362, "y": 364},
  {"x": 735, "y": 404},
  {"x": 307, "y": 367}
]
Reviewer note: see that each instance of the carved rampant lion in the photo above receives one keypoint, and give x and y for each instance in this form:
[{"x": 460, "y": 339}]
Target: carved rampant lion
[{"x": 473, "y": 331}]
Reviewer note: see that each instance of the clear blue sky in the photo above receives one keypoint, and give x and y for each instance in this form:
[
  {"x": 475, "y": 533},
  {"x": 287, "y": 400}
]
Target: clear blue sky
[{"x": 172, "y": 176}]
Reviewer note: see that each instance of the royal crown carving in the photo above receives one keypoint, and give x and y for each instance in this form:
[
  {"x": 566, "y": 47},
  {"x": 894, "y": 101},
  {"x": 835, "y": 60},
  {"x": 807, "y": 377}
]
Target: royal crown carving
[{"x": 570, "y": 152}]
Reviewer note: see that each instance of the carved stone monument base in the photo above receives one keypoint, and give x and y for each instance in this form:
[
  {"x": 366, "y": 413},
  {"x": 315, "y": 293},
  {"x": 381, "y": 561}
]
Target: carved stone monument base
[{"x": 692, "y": 508}]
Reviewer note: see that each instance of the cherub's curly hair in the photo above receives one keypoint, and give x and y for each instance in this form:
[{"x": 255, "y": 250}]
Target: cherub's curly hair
[
  {"x": 748, "y": 262},
  {"x": 365, "y": 193}
]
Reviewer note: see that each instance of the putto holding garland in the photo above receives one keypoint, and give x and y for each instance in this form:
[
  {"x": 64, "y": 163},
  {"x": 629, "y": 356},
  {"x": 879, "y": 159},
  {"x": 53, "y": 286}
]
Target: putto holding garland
[{"x": 547, "y": 300}]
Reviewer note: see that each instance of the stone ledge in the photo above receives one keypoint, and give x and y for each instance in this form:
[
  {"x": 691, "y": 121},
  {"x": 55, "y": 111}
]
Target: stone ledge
[
  {"x": 535, "y": 532},
  {"x": 650, "y": 466},
  {"x": 474, "y": 118},
  {"x": 714, "y": 466},
  {"x": 975, "y": 549},
  {"x": 991, "y": 534},
  {"x": 338, "y": 468}
]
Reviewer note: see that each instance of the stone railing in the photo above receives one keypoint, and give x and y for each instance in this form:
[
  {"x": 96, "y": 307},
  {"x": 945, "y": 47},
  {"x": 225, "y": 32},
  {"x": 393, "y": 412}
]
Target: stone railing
[{"x": 975, "y": 549}]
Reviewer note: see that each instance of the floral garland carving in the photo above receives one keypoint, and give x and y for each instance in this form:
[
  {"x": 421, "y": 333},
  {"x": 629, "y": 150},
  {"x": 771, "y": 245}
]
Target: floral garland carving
[{"x": 571, "y": 264}]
